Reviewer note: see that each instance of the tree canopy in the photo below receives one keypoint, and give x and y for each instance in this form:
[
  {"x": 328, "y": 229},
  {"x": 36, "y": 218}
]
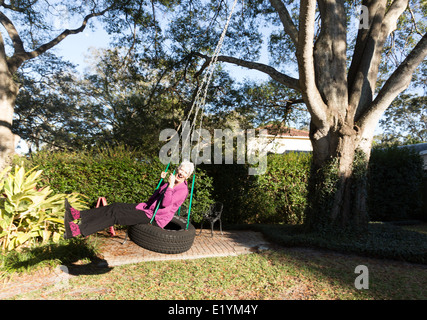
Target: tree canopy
[
  {"x": 343, "y": 63},
  {"x": 156, "y": 57}
]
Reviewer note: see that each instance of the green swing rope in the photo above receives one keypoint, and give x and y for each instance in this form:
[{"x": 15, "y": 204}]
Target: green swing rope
[
  {"x": 160, "y": 181},
  {"x": 191, "y": 199},
  {"x": 161, "y": 199},
  {"x": 200, "y": 101},
  {"x": 158, "y": 186}
]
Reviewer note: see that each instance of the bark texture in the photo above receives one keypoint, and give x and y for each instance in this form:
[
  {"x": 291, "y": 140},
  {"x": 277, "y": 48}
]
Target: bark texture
[{"x": 343, "y": 107}]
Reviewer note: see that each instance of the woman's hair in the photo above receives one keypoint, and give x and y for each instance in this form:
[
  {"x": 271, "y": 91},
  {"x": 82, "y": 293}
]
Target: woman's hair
[{"x": 187, "y": 164}]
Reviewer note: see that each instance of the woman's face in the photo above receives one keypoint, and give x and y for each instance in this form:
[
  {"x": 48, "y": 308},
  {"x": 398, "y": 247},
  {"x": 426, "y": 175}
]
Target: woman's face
[{"x": 181, "y": 174}]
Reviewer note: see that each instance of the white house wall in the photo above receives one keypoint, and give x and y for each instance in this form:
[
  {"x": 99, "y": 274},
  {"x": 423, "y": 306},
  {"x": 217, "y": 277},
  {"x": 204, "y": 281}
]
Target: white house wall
[{"x": 284, "y": 144}]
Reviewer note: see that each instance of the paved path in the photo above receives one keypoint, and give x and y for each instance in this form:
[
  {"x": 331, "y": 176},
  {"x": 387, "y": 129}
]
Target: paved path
[{"x": 230, "y": 243}]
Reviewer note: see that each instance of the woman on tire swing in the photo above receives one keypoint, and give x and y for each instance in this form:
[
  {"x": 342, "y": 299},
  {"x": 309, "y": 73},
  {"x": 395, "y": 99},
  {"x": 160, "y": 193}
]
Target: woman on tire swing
[{"x": 174, "y": 193}]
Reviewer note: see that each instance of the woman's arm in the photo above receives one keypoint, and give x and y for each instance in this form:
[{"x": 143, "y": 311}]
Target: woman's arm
[
  {"x": 174, "y": 196},
  {"x": 156, "y": 192}
]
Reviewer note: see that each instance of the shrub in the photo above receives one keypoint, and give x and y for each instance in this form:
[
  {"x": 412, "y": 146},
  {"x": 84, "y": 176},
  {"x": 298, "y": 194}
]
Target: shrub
[
  {"x": 29, "y": 213},
  {"x": 119, "y": 174},
  {"x": 277, "y": 196},
  {"x": 230, "y": 186},
  {"x": 395, "y": 181}
]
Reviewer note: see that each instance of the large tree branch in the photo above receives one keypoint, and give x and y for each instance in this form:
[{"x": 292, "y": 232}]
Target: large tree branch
[
  {"x": 19, "y": 57},
  {"x": 330, "y": 55},
  {"x": 388, "y": 25},
  {"x": 366, "y": 43},
  {"x": 367, "y": 57},
  {"x": 18, "y": 45},
  {"x": 18, "y": 7},
  {"x": 286, "y": 20},
  {"x": 310, "y": 93},
  {"x": 273, "y": 73},
  {"x": 397, "y": 83},
  {"x": 3, "y": 56}
]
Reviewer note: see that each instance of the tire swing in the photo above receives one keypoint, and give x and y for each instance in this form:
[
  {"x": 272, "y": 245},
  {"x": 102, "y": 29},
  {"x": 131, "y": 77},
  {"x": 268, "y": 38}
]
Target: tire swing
[
  {"x": 174, "y": 238},
  {"x": 178, "y": 235}
]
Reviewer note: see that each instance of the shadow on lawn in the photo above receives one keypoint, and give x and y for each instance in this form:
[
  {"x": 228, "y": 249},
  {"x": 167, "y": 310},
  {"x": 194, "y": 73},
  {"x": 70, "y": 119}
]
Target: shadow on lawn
[
  {"x": 78, "y": 255},
  {"x": 395, "y": 257}
]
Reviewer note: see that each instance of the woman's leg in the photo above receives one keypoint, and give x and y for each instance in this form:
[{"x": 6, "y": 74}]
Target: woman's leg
[{"x": 98, "y": 219}]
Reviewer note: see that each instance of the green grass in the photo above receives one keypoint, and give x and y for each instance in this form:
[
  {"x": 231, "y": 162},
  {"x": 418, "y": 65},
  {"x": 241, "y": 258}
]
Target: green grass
[
  {"x": 380, "y": 240},
  {"x": 47, "y": 256},
  {"x": 421, "y": 228},
  {"x": 288, "y": 274},
  {"x": 308, "y": 267}
]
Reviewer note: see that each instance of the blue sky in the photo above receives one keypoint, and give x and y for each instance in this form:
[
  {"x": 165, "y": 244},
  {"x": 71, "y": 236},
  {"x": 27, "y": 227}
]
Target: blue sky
[{"x": 75, "y": 47}]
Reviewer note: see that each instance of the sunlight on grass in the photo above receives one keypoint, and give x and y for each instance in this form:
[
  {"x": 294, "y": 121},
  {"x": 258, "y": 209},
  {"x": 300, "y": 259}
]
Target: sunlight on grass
[
  {"x": 289, "y": 274},
  {"x": 286, "y": 273}
]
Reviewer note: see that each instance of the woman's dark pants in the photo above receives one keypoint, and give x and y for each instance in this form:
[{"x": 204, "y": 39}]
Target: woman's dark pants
[{"x": 98, "y": 219}]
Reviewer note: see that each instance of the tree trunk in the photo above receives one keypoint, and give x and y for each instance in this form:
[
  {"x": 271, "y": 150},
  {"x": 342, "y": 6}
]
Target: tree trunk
[
  {"x": 8, "y": 92},
  {"x": 9, "y": 65},
  {"x": 343, "y": 104},
  {"x": 337, "y": 185}
]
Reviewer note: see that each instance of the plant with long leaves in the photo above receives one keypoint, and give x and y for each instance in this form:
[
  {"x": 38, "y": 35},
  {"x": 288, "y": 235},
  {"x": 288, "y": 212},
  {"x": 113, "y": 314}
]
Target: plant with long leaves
[{"x": 28, "y": 214}]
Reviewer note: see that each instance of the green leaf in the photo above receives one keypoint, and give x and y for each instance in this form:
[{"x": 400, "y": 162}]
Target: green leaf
[
  {"x": 8, "y": 187},
  {"x": 55, "y": 220},
  {"x": 56, "y": 237},
  {"x": 18, "y": 180},
  {"x": 27, "y": 213}
]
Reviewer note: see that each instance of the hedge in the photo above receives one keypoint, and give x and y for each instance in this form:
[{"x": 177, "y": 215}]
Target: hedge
[
  {"x": 119, "y": 174},
  {"x": 279, "y": 196},
  {"x": 395, "y": 180}
]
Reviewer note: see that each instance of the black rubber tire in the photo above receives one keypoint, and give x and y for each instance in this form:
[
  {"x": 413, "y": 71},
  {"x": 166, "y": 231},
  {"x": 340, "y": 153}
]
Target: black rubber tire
[{"x": 174, "y": 238}]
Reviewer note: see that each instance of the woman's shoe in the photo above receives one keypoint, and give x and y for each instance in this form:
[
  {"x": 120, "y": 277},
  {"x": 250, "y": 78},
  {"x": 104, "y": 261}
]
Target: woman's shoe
[
  {"x": 75, "y": 230},
  {"x": 70, "y": 215},
  {"x": 75, "y": 213},
  {"x": 67, "y": 219}
]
